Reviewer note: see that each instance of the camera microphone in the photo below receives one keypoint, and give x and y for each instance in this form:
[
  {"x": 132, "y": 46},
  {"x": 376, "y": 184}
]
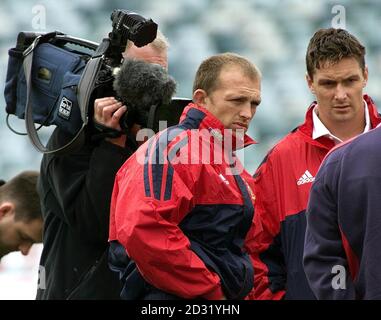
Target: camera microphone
[{"x": 141, "y": 85}]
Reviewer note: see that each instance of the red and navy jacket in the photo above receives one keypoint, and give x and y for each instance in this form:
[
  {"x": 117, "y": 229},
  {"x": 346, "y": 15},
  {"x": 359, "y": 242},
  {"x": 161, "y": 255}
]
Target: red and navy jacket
[
  {"x": 282, "y": 186},
  {"x": 178, "y": 223},
  {"x": 342, "y": 255}
]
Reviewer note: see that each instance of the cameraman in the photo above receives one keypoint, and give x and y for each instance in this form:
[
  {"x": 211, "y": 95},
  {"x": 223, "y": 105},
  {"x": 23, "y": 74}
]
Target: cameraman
[{"x": 75, "y": 191}]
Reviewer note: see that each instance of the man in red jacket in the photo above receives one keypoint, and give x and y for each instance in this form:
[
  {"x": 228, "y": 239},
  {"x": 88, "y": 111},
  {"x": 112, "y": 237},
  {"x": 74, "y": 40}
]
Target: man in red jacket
[
  {"x": 182, "y": 205},
  {"x": 336, "y": 75}
]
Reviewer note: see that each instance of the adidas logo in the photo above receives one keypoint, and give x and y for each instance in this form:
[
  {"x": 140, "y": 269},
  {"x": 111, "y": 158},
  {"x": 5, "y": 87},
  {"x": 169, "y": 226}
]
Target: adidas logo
[
  {"x": 305, "y": 178},
  {"x": 224, "y": 179}
]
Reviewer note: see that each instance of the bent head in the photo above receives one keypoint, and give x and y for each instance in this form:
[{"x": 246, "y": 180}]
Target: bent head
[
  {"x": 20, "y": 214},
  {"x": 17, "y": 234},
  {"x": 228, "y": 86}
]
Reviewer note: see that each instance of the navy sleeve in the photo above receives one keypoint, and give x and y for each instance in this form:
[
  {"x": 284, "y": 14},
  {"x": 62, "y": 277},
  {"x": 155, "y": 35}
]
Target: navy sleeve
[
  {"x": 324, "y": 255},
  {"x": 265, "y": 246}
]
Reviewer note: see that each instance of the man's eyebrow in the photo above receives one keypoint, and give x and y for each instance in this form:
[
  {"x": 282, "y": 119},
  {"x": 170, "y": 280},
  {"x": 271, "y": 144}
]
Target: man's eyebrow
[
  {"x": 257, "y": 101},
  {"x": 353, "y": 76},
  {"x": 327, "y": 79}
]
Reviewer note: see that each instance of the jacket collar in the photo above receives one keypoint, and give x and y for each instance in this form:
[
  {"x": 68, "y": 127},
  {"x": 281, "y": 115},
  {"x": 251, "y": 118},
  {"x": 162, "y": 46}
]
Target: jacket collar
[
  {"x": 307, "y": 127},
  {"x": 197, "y": 117}
]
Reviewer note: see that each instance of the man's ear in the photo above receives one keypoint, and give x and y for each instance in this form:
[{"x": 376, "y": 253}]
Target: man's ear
[
  {"x": 6, "y": 208},
  {"x": 199, "y": 97},
  {"x": 310, "y": 83},
  {"x": 365, "y": 76}
]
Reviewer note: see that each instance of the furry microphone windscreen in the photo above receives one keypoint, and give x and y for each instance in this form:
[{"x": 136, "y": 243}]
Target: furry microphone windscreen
[{"x": 142, "y": 84}]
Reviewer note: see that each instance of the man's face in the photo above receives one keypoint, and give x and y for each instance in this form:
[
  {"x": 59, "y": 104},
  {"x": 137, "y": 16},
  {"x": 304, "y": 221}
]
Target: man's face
[
  {"x": 18, "y": 235},
  {"x": 234, "y": 101},
  {"x": 149, "y": 54},
  {"x": 339, "y": 91}
]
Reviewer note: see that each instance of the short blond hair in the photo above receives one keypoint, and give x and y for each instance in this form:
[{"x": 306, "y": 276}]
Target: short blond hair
[{"x": 207, "y": 75}]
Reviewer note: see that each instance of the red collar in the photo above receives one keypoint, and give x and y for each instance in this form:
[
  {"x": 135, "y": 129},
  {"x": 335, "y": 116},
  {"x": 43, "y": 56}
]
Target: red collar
[
  {"x": 307, "y": 127},
  {"x": 214, "y": 125}
]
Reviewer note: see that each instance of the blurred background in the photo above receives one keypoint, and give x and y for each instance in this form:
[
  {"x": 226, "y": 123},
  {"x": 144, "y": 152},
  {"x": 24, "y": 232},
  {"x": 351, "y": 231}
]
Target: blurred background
[{"x": 274, "y": 34}]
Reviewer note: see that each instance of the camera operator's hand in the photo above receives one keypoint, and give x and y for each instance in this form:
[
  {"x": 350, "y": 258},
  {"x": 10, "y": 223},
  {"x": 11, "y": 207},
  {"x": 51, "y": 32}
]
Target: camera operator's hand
[{"x": 107, "y": 112}]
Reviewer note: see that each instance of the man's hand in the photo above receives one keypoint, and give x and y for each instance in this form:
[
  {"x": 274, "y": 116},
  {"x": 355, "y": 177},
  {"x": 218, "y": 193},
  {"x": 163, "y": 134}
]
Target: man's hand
[{"x": 107, "y": 112}]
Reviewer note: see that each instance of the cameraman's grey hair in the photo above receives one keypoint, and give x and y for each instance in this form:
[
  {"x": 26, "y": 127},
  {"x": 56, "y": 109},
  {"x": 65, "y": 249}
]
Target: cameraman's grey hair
[{"x": 160, "y": 43}]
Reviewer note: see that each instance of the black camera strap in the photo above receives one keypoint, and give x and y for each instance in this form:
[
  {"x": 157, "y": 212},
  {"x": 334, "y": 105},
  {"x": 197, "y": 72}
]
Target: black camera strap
[{"x": 83, "y": 99}]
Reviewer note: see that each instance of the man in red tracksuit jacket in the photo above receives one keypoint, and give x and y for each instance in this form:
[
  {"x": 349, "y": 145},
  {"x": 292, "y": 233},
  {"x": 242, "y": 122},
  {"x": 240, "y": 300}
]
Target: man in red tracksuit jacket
[
  {"x": 182, "y": 205},
  {"x": 336, "y": 75}
]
